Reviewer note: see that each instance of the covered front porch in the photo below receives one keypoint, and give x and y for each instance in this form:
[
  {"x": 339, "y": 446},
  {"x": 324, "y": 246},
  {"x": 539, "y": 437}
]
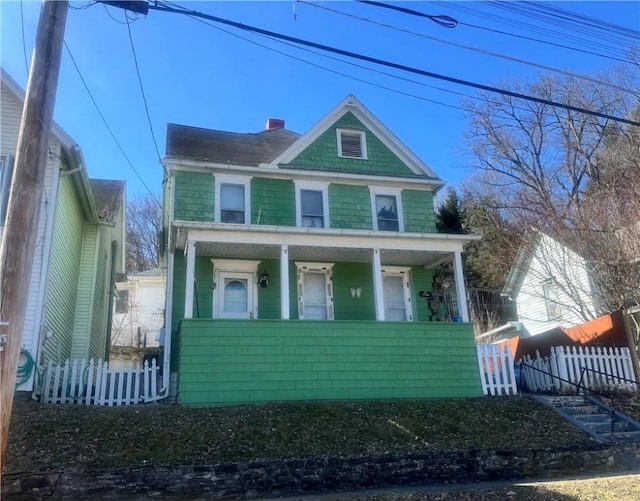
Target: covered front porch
[{"x": 366, "y": 275}]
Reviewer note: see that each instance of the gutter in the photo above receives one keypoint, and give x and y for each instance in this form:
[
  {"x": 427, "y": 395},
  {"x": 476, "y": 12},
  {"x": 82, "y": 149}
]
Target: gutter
[{"x": 81, "y": 180}]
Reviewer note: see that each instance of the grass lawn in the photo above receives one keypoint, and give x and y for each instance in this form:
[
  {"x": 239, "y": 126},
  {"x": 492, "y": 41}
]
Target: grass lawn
[{"x": 54, "y": 436}]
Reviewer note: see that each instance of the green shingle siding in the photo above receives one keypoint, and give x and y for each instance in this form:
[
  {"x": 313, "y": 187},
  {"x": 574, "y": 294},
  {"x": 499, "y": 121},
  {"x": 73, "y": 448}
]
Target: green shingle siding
[
  {"x": 345, "y": 276},
  {"x": 418, "y": 212},
  {"x": 273, "y": 202},
  {"x": 86, "y": 289},
  {"x": 322, "y": 154},
  {"x": 350, "y": 207},
  {"x": 269, "y": 297},
  {"x": 421, "y": 279},
  {"x": 194, "y": 195},
  {"x": 98, "y": 339},
  {"x": 64, "y": 272},
  {"x": 265, "y": 360}
]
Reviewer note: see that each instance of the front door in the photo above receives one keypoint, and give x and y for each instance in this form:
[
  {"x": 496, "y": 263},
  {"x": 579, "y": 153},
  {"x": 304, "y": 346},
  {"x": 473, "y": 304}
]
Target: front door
[
  {"x": 397, "y": 300},
  {"x": 235, "y": 294}
]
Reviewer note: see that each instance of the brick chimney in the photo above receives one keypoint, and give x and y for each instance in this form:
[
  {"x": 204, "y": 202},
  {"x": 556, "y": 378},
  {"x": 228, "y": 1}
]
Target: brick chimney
[{"x": 275, "y": 123}]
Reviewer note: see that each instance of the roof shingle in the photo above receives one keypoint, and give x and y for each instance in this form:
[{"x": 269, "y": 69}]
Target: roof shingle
[
  {"x": 108, "y": 195},
  {"x": 249, "y": 149}
]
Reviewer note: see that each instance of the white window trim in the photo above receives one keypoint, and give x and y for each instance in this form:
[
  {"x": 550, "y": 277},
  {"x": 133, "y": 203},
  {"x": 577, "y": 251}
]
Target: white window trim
[
  {"x": 327, "y": 269},
  {"x": 231, "y": 266},
  {"x": 396, "y": 192},
  {"x": 313, "y": 186},
  {"x": 404, "y": 272},
  {"x": 231, "y": 179},
  {"x": 363, "y": 142}
]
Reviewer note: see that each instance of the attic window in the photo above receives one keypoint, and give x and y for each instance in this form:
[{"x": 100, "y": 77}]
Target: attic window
[{"x": 352, "y": 144}]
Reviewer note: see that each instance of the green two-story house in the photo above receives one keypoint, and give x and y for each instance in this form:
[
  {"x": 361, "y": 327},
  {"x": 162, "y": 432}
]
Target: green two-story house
[{"x": 300, "y": 267}]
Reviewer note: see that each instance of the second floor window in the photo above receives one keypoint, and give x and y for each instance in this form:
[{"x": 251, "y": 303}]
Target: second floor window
[
  {"x": 311, "y": 208},
  {"x": 312, "y": 202},
  {"x": 386, "y": 207},
  {"x": 232, "y": 203}
]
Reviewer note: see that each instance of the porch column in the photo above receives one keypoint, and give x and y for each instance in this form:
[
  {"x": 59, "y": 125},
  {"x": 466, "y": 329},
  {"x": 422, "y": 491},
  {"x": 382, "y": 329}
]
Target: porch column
[
  {"x": 190, "y": 251},
  {"x": 284, "y": 283},
  {"x": 377, "y": 285},
  {"x": 460, "y": 290}
]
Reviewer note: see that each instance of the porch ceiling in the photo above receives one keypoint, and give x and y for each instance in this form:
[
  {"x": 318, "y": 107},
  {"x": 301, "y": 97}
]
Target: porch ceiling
[{"x": 323, "y": 254}]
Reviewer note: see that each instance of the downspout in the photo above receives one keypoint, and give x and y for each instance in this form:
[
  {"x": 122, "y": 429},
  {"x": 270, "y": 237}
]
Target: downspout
[{"x": 112, "y": 295}]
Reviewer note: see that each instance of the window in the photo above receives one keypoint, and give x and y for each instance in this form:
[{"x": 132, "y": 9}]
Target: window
[
  {"x": 315, "y": 291},
  {"x": 352, "y": 143},
  {"x": 387, "y": 210},
  {"x": 311, "y": 209},
  {"x": 554, "y": 312},
  {"x": 6, "y": 174},
  {"x": 122, "y": 301},
  {"x": 312, "y": 202},
  {"x": 395, "y": 291},
  {"x": 232, "y": 200},
  {"x": 236, "y": 297}
]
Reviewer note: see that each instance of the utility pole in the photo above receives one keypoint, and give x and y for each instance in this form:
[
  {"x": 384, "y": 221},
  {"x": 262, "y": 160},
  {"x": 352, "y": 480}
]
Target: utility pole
[{"x": 20, "y": 231}]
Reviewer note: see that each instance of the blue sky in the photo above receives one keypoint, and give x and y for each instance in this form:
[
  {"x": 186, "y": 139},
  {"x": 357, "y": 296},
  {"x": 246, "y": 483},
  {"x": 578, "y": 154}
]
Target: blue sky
[{"x": 196, "y": 75}]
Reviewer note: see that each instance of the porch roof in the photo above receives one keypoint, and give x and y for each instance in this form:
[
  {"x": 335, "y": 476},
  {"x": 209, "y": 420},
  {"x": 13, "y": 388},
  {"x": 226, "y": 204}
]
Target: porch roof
[{"x": 264, "y": 242}]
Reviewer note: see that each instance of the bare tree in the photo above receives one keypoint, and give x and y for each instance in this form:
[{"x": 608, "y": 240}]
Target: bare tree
[
  {"x": 144, "y": 223},
  {"x": 538, "y": 160},
  {"x": 568, "y": 174}
]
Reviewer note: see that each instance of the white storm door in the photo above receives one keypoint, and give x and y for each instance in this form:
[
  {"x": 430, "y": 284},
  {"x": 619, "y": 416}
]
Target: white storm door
[
  {"x": 235, "y": 295},
  {"x": 397, "y": 305}
]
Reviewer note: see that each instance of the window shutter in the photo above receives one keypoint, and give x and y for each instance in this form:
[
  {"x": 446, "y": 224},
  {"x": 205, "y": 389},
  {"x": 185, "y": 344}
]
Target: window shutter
[{"x": 351, "y": 144}]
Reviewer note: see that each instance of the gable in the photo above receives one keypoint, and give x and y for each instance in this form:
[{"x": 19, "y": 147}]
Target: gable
[{"x": 322, "y": 154}]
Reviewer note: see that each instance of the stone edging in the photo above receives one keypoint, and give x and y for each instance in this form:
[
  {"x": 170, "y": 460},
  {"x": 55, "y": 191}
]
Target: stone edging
[{"x": 326, "y": 474}]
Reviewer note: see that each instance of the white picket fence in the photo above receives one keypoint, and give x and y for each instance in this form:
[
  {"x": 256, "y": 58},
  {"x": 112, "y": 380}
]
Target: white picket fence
[
  {"x": 94, "y": 383},
  {"x": 606, "y": 369},
  {"x": 496, "y": 369}
]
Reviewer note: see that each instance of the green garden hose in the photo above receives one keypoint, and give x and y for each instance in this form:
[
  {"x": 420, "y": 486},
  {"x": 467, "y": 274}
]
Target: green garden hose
[{"x": 25, "y": 370}]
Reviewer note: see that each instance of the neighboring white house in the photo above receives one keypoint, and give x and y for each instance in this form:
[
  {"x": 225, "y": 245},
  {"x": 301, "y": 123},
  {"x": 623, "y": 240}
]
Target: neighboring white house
[
  {"x": 551, "y": 286},
  {"x": 80, "y": 237},
  {"x": 138, "y": 311}
]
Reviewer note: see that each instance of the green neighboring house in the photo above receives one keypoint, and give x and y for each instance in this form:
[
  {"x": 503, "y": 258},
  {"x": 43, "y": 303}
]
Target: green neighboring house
[
  {"x": 300, "y": 267},
  {"x": 79, "y": 246}
]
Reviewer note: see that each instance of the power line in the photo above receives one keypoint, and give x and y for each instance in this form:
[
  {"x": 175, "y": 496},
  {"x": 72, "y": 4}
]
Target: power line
[
  {"x": 462, "y": 46},
  {"x": 24, "y": 45},
  {"x": 571, "y": 20},
  {"x": 104, "y": 120},
  {"x": 382, "y": 62},
  {"x": 442, "y": 20},
  {"x": 355, "y": 65},
  {"x": 455, "y": 6},
  {"x": 144, "y": 98},
  {"x": 336, "y": 72}
]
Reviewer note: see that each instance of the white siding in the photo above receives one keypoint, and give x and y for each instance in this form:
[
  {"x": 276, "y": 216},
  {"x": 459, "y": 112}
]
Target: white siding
[
  {"x": 565, "y": 270},
  {"x": 10, "y": 116},
  {"x": 145, "y": 311}
]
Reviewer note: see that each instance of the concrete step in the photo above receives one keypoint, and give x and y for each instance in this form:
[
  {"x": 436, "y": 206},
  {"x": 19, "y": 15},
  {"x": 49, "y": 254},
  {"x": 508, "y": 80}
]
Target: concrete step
[
  {"x": 594, "y": 417},
  {"x": 618, "y": 426},
  {"x": 580, "y": 410}
]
